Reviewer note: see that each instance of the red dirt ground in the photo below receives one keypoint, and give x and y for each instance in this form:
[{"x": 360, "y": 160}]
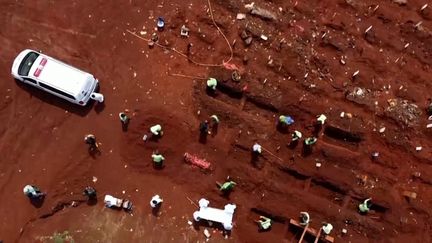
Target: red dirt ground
[{"x": 297, "y": 71}]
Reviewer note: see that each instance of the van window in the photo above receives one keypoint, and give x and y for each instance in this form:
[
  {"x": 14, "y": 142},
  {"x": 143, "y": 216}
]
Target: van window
[
  {"x": 27, "y": 63},
  {"x": 56, "y": 91}
]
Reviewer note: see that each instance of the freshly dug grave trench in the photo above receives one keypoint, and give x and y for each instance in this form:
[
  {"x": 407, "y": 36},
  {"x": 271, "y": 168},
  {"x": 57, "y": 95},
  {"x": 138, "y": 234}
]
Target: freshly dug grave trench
[{"x": 340, "y": 134}]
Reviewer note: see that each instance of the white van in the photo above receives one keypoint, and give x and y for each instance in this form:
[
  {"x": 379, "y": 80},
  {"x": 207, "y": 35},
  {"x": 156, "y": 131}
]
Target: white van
[{"x": 55, "y": 77}]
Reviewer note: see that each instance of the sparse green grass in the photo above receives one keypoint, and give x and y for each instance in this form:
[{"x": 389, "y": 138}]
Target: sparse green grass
[{"x": 64, "y": 237}]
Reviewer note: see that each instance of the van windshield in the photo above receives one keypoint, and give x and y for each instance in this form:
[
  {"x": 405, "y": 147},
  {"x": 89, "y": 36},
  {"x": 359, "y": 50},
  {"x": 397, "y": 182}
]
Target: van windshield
[{"x": 27, "y": 63}]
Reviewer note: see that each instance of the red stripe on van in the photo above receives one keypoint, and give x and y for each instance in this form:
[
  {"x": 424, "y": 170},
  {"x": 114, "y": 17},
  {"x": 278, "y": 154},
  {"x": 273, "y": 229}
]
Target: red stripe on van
[{"x": 40, "y": 67}]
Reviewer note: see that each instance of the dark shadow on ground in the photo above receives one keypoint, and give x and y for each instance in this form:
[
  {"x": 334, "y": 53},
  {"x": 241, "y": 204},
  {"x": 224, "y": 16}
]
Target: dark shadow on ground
[
  {"x": 317, "y": 129},
  {"x": 202, "y": 138},
  {"x": 153, "y": 138},
  {"x": 155, "y": 210},
  {"x": 37, "y": 202},
  {"x": 282, "y": 128},
  {"x": 293, "y": 144},
  {"x": 56, "y": 101},
  {"x": 92, "y": 201},
  {"x": 256, "y": 160},
  {"x": 214, "y": 129},
  {"x": 125, "y": 126},
  {"x": 158, "y": 167},
  {"x": 307, "y": 150},
  {"x": 93, "y": 152},
  {"x": 211, "y": 92},
  {"x": 99, "y": 107}
]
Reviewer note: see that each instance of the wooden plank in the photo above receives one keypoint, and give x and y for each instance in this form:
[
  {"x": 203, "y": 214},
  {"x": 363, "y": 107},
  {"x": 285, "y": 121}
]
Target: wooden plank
[
  {"x": 318, "y": 236},
  {"x": 304, "y": 233},
  {"x": 312, "y": 231}
]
